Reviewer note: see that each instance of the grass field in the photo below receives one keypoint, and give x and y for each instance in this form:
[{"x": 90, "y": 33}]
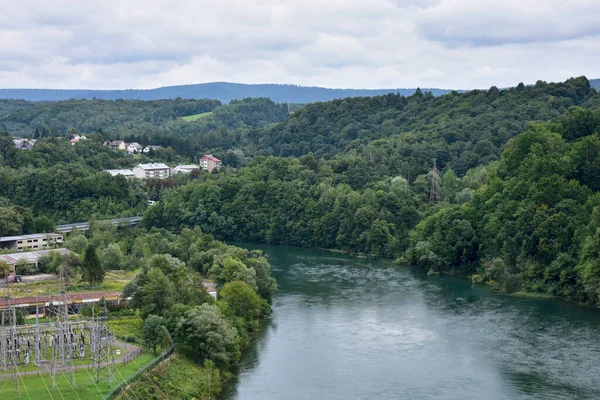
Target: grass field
[
  {"x": 190, "y": 118},
  {"x": 114, "y": 281},
  {"x": 40, "y": 387}
]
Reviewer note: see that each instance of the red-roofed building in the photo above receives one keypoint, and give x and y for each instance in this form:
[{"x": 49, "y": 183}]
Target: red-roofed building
[
  {"x": 208, "y": 162},
  {"x": 75, "y": 300}
]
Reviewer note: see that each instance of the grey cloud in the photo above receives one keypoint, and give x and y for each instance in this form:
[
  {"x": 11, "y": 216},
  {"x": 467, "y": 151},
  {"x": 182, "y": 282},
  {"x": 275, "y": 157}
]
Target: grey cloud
[
  {"x": 499, "y": 22},
  {"x": 338, "y": 43}
]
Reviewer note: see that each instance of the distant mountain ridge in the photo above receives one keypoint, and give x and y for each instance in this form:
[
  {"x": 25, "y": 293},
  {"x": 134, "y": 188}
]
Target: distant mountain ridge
[
  {"x": 222, "y": 91},
  {"x": 595, "y": 83}
]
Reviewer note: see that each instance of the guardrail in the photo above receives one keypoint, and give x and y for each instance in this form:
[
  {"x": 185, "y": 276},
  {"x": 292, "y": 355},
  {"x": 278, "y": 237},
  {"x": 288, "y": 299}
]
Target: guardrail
[
  {"x": 84, "y": 226},
  {"x": 138, "y": 374}
]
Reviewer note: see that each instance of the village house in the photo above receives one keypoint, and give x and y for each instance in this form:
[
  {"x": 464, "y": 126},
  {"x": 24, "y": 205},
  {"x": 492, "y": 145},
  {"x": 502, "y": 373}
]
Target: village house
[
  {"x": 150, "y": 148},
  {"x": 185, "y": 169},
  {"x": 31, "y": 242},
  {"x": 125, "y": 172},
  {"x": 134, "y": 148},
  {"x": 208, "y": 162},
  {"x": 76, "y": 138},
  {"x": 118, "y": 145},
  {"x": 152, "y": 171}
]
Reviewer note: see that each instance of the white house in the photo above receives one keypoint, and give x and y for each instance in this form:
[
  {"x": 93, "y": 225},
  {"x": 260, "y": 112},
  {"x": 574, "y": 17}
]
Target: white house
[
  {"x": 152, "y": 171},
  {"x": 151, "y": 147},
  {"x": 185, "y": 169},
  {"x": 134, "y": 148}
]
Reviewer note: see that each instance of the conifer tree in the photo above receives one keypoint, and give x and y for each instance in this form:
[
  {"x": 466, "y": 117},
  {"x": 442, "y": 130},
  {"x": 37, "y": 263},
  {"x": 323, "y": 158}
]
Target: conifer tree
[{"x": 92, "y": 271}]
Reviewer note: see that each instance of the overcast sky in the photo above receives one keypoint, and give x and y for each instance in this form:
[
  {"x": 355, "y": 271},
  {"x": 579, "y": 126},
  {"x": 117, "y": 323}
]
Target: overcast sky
[{"x": 333, "y": 43}]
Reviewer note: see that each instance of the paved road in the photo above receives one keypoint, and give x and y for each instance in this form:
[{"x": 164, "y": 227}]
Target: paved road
[{"x": 127, "y": 347}]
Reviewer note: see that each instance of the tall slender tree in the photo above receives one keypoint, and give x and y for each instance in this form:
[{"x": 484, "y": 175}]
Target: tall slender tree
[{"x": 92, "y": 271}]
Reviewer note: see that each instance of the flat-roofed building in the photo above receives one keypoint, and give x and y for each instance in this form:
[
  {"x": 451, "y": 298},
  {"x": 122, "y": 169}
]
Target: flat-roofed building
[
  {"x": 152, "y": 171},
  {"x": 185, "y": 169},
  {"x": 125, "y": 172},
  {"x": 29, "y": 258},
  {"x": 31, "y": 242}
]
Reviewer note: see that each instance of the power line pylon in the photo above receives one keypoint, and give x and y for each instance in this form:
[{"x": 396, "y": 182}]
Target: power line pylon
[
  {"x": 102, "y": 344},
  {"x": 435, "y": 196},
  {"x": 64, "y": 338}
]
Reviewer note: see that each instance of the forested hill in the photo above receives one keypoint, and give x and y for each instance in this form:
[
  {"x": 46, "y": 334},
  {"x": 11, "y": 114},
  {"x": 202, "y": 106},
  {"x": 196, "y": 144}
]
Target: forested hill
[
  {"x": 23, "y": 118},
  {"x": 160, "y": 122},
  {"x": 222, "y": 91},
  {"x": 399, "y": 135},
  {"x": 595, "y": 83}
]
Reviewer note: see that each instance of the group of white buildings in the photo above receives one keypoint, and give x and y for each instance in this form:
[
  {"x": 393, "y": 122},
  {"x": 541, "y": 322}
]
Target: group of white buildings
[
  {"x": 163, "y": 171},
  {"x": 131, "y": 148}
]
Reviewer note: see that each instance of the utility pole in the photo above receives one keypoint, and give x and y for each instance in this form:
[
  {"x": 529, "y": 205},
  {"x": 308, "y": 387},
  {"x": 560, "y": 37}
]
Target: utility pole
[{"x": 435, "y": 196}]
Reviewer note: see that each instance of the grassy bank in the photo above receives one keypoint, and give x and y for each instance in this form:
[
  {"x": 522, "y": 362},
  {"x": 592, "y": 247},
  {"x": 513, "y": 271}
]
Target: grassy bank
[
  {"x": 178, "y": 378},
  {"x": 113, "y": 282}
]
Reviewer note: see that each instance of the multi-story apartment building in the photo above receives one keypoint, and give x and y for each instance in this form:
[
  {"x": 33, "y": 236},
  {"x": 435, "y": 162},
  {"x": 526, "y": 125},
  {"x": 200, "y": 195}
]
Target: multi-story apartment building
[
  {"x": 208, "y": 162},
  {"x": 152, "y": 171}
]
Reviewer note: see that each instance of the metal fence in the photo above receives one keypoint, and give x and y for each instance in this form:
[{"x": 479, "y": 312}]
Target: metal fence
[
  {"x": 85, "y": 225},
  {"x": 138, "y": 374}
]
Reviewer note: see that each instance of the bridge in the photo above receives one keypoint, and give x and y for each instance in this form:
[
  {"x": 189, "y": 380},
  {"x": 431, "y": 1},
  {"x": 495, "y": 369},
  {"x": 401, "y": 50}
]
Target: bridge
[{"x": 84, "y": 226}]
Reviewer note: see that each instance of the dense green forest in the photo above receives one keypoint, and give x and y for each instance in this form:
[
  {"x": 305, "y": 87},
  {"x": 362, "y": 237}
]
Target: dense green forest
[
  {"x": 87, "y": 116},
  {"x": 386, "y": 135},
  {"x": 535, "y": 225}
]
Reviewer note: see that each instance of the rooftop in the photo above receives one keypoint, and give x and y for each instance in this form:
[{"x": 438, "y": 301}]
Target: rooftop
[
  {"x": 211, "y": 157},
  {"x": 22, "y": 237},
  {"x": 72, "y": 297},
  {"x": 114, "y": 172},
  {"x": 153, "y": 166},
  {"x": 30, "y": 257}
]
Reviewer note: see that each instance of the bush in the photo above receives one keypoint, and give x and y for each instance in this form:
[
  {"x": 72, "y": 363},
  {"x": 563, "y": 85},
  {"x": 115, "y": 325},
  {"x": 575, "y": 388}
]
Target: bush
[
  {"x": 477, "y": 279},
  {"x": 132, "y": 339}
]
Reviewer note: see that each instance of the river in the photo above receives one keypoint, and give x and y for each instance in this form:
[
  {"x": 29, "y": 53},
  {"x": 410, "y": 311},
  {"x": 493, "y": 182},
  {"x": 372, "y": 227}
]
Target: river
[{"x": 346, "y": 328}]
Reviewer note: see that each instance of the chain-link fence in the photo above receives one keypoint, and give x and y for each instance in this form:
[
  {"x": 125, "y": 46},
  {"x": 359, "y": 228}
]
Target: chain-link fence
[{"x": 138, "y": 374}]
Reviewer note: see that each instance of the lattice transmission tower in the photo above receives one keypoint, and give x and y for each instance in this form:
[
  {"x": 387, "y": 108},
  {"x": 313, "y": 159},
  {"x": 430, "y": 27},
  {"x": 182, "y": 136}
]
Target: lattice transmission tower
[
  {"x": 102, "y": 345},
  {"x": 435, "y": 196}
]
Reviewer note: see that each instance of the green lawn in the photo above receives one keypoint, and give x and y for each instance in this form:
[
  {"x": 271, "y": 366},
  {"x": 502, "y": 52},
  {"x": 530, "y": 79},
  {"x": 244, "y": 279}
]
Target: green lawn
[
  {"x": 36, "y": 387},
  {"x": 190, "y": 118}
]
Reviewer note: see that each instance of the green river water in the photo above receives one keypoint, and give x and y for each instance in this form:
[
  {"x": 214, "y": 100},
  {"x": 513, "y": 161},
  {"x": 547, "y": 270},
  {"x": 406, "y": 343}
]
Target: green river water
[{"x": 346, "y": 328}]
